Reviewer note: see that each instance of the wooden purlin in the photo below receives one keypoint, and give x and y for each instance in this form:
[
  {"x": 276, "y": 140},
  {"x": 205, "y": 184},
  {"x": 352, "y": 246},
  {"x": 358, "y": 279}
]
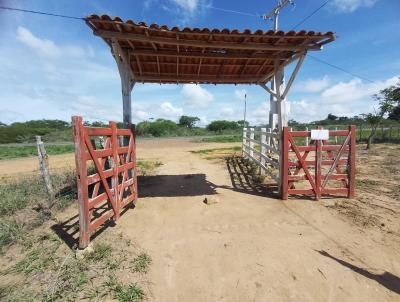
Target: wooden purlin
[{"x": 121, "y": 161}]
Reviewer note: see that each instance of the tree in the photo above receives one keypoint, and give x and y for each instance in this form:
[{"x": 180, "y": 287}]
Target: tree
[
  {"x": 373, "y": 119},
  {"x": 188, "y": 121},
  {"x": 243, "y": 123},
  {"x": 219, "y": 126},
  {"x": 389, "y": 101},
  {"x": 99, "y": 124},
  {"x": 332, "y": 117}
]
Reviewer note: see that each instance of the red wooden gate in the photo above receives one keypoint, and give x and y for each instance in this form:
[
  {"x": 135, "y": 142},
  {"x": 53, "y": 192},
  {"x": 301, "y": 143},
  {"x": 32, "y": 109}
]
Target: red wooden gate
[
  {"x": 106, "y": 174},
  {"x": 308, "y": 168}
]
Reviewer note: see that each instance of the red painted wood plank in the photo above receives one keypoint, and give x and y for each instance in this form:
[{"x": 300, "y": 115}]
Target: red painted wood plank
[
  {"x": 92, "y": 131},
  {"x": 352, "y": 170}
]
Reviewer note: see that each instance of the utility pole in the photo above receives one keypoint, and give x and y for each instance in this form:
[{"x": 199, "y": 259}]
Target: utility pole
[{"x": 277, "y": 116}]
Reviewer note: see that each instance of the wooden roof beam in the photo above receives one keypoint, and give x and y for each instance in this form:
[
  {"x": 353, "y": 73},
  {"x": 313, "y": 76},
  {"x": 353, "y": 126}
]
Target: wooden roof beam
[
  {"x": 204, "y": 64},
  {"x": 196, "y": 79},
  {"x": 205, "y": 55},
  {"x": 196, "y": 43}
]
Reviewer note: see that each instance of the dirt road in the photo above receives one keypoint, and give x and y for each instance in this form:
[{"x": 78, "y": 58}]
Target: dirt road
[{"x": 245, "y": 247}]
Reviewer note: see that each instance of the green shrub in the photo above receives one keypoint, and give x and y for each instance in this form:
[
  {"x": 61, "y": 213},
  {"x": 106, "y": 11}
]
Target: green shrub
[{"x": 218, "y": 126}]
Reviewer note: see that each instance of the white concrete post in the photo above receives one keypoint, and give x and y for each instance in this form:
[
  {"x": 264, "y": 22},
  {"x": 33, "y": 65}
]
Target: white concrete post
[
  {"x": 281, "y": 101},
  {"x": 251, "y": 143},
  {"x": 336, "y": 138},
  {"x": 307, "y": 139},
  {"x": 269, "y": 130},
  {"x": 244, "y": 142},
  {"x": 263, "y": 140},
  {"x": 127, "y": 81}
]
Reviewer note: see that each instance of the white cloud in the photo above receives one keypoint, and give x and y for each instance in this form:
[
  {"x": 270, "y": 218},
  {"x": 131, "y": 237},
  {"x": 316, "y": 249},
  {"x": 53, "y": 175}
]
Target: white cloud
[
  {"x": 344, "y": 99},
  {"x": 260, "y": 115},
  {"x": 168, "y": 110},
  {"x": 142, "y": 110},
  {"x": 226, "y": 112},
  {"x": 42, "y": 46},
  {"x": 354, "y": 90},
  {"x": 313, "y": 85},
  {"x": 48, "y": 48},
  {"x": 92, "y": 109},
  {"x": 188, "y": 5},
  {"x": 240, "y": 94},
  {"x": 196, "y": 96},
  {"x": 348, "y": 6}
]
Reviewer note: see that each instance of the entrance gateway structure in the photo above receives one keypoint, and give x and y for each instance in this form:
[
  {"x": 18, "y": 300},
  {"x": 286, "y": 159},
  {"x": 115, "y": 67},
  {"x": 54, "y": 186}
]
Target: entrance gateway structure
[{"x": 159, "y": 54}]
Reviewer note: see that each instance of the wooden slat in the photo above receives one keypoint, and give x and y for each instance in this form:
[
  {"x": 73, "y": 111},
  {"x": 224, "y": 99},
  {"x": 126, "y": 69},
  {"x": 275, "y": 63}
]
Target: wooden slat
[
  {"x": 101, "y": 220},
  {"x": 324, "y": 148},
  {"x": 301, "y": 192},
  {"x": 99, "y": 153},
  {"x": 91, "y": 131},
  {"x": 93, "y": 202},
  {"x": 325, "y": 162},
  {"x": 125, "y": 132},
  {"x": 91, "y": 179}
]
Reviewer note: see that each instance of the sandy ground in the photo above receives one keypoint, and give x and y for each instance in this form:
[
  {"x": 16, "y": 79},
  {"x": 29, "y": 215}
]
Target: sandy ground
[{"x": 246, "y": 247}]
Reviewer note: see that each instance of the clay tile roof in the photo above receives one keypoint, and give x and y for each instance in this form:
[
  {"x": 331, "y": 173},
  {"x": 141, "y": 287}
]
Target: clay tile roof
[{"x": 159, "y": 54}]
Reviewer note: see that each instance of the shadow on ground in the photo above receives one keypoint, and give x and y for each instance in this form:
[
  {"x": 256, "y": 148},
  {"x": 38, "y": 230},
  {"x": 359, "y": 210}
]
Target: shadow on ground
[
  {"x": 149, "y": 186},
  {"x": 243, "y": 181},
  {"x": 68, "y": 230},
  {"x": 388, "y": 280},
  {"x": 175, "y": 185}
]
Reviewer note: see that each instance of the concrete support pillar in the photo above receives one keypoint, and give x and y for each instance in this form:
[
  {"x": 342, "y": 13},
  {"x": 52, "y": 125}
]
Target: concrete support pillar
[{"x": 127, "y": 82}]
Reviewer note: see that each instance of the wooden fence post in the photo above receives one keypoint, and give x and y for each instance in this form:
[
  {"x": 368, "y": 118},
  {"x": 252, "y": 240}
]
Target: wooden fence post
[
  {"x": 82, "y": 182},
  {"x": 352, "y": 166},
  {"x": 283, "y": 173},
  {"x": 114, "y": 179},
  {"x": 251, "y": 142},
  {"x": 44, "y": 169}
]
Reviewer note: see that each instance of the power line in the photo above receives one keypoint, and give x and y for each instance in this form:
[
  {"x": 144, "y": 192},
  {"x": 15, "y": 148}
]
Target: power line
[
  {"x": 212, "y": 7},
  {"x": 40, "y": 13},
  {"x": 231, "y": 11},
  {"x": 311, "y": 14},
  {"x": 340, "y": 68}
]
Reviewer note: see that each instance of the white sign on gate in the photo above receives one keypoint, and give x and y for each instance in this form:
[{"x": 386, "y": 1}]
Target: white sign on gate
[{"x": 320, "y": 134}]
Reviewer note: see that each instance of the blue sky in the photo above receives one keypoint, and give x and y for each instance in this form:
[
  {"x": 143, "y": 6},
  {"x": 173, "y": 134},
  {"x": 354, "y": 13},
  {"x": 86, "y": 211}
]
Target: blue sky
[{"x": 54, "y": 68}]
